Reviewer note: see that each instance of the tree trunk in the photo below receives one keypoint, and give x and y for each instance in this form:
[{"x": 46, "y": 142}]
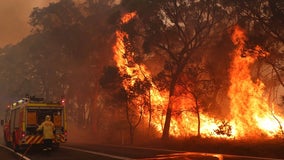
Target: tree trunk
[
  {"x": 150, "y": 113},
  {"x": 166, "y": 131},
  {"x": 131, "y": 129},
  {"x": 198, "y": 116}
]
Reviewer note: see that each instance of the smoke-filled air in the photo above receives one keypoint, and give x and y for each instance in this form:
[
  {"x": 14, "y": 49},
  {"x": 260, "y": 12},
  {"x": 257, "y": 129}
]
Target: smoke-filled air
[{"x": 136, "y": 71}]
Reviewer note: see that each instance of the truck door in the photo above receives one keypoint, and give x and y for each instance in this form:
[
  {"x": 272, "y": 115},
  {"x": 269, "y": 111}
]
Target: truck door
[{"x": 31, "y": 122}]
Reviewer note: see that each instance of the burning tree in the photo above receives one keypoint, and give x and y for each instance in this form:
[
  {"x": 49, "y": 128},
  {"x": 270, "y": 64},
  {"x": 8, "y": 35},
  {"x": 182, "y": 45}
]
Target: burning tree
[
  {"x": 135, "y": 78},
  {"x": 248, "y": 101},
  {"x": 179, "y": 66},
  {"x": 198, "y": 86},
  {"x": 263, "y": 19},
  {"x": 175, "y": 29},
  {"x": 77, "y": 38}
]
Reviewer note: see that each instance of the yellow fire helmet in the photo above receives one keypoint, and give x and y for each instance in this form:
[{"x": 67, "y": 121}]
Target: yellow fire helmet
[{"x": 47, "y": 117}]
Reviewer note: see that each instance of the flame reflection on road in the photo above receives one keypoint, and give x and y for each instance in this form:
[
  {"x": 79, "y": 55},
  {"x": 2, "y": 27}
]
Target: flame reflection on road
[
  {"x": 189, "y": 156},
  {"x": 205, "y": 156}
]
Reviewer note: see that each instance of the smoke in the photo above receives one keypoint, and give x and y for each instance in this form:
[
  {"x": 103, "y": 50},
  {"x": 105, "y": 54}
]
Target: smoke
[
  {"x": 218, "y": 63},
  {"x": 14, "y": 15}
]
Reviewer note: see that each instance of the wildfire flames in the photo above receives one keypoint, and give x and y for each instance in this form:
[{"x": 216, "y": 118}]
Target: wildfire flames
[{"x": 252, "y": 115}]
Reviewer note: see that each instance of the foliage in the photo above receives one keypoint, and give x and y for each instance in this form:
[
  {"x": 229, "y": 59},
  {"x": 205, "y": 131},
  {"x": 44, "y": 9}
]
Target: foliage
[
  {"x": 224, "y": 129},
  {"x": 63, "y": 55},
  {"x": 174, "y": 29},
  {"x": 264, "y": 20},
  {"x": 111, "y": 82},
  {"x": 69, "y": 52}
]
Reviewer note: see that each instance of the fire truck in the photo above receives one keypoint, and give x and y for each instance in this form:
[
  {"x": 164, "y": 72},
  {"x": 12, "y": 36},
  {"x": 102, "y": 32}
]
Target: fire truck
[{"x": 24, "y": 116}]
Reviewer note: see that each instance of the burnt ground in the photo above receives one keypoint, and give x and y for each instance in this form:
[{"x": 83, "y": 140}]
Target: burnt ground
[{"x": 259, "y": 148}]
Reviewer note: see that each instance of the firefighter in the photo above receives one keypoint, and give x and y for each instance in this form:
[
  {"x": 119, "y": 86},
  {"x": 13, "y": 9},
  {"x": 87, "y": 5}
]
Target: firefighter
[{"x": 48, "y": 128}]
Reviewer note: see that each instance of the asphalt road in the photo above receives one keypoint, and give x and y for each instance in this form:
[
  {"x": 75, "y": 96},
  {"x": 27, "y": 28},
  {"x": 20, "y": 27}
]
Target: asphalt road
[
  {"x": 110, "y": 152},
  {"x": 6, "y": 154},
  {"x": 75, "y": 151}
]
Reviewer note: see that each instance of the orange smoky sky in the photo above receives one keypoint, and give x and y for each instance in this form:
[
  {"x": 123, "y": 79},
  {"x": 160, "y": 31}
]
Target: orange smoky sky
[{"x": 14, "y": 17}]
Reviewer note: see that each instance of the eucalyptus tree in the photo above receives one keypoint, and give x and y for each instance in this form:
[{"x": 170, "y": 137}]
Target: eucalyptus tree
[
  {"x": 58, "y": 37},
  {"x": 137, "y": 102},
  {"x": 76, "y": 36},
  {"x": 263, "y": 21},
  {"x": 132, "y": 98},
  {"x": 175, "y": 30},
  {"x": 200, "y": 87},
  {"x": 113, "y": 103}
]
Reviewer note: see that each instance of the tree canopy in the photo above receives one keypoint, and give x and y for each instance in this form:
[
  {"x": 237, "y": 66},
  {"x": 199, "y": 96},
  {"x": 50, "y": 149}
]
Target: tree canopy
[{"x": 184, "y": 43}]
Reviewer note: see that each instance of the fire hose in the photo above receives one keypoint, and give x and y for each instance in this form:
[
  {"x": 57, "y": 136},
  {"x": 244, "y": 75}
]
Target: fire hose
[{"x": 26, "y": 151}]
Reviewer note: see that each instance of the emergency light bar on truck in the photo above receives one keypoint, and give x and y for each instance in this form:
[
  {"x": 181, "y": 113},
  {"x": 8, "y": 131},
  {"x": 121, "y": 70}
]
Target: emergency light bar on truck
[{"x": 23, "y": 118}]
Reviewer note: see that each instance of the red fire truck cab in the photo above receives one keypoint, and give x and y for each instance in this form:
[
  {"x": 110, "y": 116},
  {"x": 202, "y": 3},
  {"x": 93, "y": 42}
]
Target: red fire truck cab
[{"x": 23, "y": 118}]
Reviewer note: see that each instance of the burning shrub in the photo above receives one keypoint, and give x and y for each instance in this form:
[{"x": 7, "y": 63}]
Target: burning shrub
[{"x": 224, "y": 129}]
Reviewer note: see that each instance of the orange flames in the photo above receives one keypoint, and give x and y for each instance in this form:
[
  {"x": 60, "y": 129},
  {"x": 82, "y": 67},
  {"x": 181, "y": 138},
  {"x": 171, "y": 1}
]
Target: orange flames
[{"x": 251, "y": 113}]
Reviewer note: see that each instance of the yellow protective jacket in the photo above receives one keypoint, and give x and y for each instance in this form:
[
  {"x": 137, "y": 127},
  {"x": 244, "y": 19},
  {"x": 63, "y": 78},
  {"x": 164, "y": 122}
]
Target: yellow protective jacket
[{"x": 47, "y": 127}]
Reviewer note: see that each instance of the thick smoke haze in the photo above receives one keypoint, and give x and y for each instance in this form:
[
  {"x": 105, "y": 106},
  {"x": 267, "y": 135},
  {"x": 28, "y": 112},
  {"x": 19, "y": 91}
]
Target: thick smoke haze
[{"x": 14, "y": 16}]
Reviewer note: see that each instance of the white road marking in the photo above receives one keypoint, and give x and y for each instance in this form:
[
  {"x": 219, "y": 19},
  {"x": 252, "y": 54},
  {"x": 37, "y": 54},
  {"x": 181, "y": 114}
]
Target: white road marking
[
  {"x": 19, "y": 154},
  {"x": 96, "y": 153}
]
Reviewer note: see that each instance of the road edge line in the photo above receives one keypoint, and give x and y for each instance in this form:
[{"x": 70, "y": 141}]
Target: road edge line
[{"x": 19, "y": 154}]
